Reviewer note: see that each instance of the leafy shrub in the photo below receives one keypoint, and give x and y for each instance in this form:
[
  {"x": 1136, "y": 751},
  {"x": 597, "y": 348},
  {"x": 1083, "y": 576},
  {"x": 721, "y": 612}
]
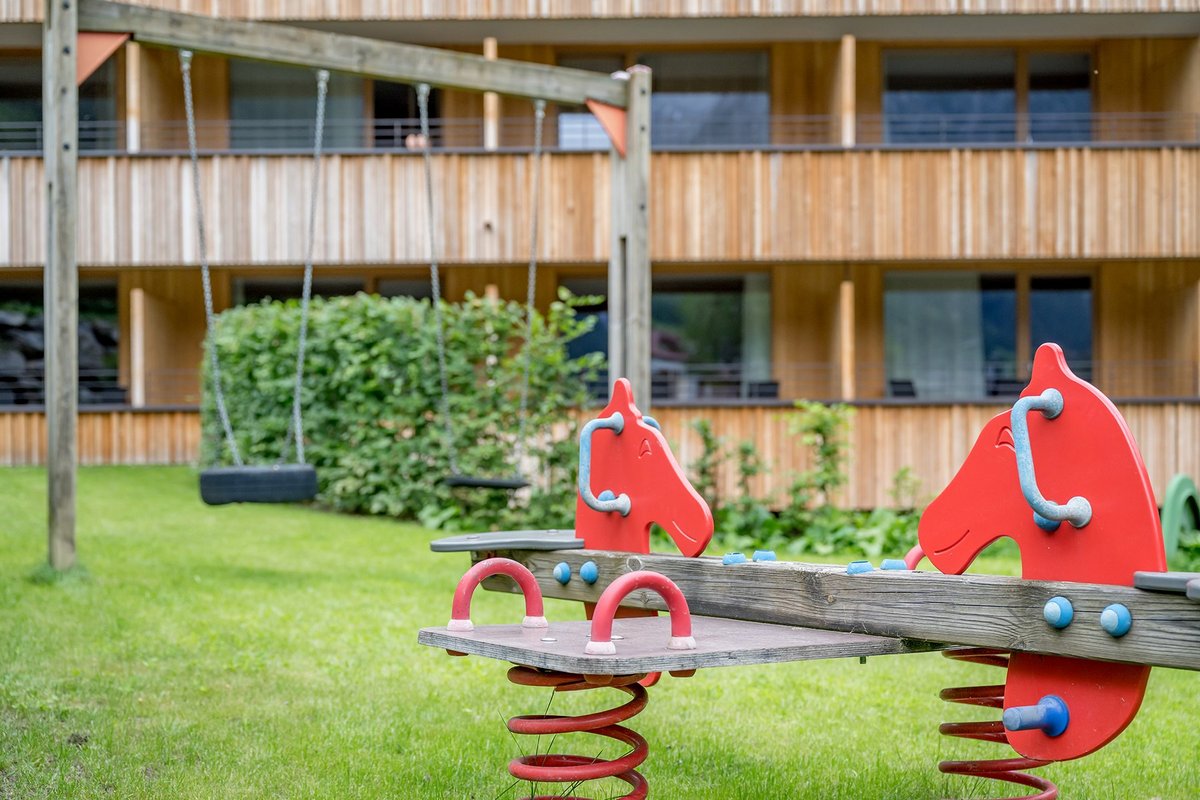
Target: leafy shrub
[{"x": 371, "y": 403}]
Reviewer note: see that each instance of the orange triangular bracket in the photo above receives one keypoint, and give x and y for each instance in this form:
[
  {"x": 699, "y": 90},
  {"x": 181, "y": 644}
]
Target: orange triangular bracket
[
  {"x": 93, "y": 50},
  {"x": 612, "y": 119}
]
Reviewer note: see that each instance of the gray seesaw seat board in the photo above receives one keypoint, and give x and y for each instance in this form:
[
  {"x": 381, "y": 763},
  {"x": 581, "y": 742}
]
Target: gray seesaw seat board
[
  {"x": 643, "y": 646},
  {"x": 508, "y": 540}
]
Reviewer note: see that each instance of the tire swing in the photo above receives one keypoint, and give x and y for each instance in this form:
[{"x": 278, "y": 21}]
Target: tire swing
[
  {"x": 251, "y": 483},
  {"x": 456, "y": 479}
]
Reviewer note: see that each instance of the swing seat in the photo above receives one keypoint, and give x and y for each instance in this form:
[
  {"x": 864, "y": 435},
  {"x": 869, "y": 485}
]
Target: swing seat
[
  {"x": 280, "y": 483},
  {"x": 474, "y": 482}
]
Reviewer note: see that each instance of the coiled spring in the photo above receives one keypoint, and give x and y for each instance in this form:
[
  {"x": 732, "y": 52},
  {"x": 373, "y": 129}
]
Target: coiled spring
[
  {"x": 574, "y": 769},
  {"x": 1009, "y": 770}
]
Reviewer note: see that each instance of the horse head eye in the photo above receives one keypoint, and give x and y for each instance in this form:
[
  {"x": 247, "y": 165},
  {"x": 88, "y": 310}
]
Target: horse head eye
[
  {"x": 645, "y": 449},
  {"x": 1005, "y": 439}
]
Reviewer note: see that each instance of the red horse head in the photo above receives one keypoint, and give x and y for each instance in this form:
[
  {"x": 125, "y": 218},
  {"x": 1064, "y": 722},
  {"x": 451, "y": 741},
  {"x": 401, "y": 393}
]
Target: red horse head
[
  {"x": 1086, "y": 450},
  {"x": 638, "y": 464}
]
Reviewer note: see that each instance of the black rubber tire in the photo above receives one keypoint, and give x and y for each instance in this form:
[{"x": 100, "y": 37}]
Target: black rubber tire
[
  {"x": 283, "y": 483},
  {"x": 473, "y": 482}
]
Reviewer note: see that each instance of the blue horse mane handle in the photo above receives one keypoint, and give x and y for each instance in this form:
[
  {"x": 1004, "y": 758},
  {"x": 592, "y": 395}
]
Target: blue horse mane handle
[{"x": 1046, "y": 513}]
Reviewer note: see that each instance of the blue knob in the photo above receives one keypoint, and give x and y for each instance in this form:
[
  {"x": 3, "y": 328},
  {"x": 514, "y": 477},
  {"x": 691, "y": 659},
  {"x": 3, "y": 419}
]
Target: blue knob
[
  {"x": 734, "y": 558},
  {"x": 1050, "y": 716},
  {"x": 893, "y": 563},
  {"x": 1116, "y": 619},
  {"x": 562, "y": 572},
  {"x": 606, "y": 495},
  {"x": 589, "y": 572},
  {"x": 859, "y": 567},
  {"x": 764, "y": 555},
  {"x": 1058, "y": 612}
]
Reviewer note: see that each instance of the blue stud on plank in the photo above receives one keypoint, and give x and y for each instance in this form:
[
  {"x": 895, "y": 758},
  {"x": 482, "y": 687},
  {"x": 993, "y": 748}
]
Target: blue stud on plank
[
  {"x": 859, "y": 567},
  {"x": 1058, "y": 612},
  {"x": 1116, "y": 620},
  {"x": 764, "y": 555},
  {"x": 734, "y": 558},
  {"x": 589, "y": 572},
  {"x": 562, "y": 572}
]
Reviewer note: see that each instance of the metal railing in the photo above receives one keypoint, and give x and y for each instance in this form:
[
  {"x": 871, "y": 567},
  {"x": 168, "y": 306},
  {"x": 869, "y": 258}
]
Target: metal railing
[{"x": 358, "y": 135}]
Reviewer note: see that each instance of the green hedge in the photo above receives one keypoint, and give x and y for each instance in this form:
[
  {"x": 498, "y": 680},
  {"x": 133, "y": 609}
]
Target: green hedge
[{"x": 371, "y": 394}]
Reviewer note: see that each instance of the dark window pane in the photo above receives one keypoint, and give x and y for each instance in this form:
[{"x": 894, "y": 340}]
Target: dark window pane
[
  {"x": 710, "y": 336},
  {"x": 1060, "y": 311},
  {"x": 709, "y": 98},
  {"x": 404, "y": 287},
  {"x": 1060, "y": 97},
  {"x": 21, "y": 105},
  {"x": 950, "y": 97},
  {"x": 255, "y": 290},
  {"x": 397, "y": 116},
  {"x": 274, "y": 107}
]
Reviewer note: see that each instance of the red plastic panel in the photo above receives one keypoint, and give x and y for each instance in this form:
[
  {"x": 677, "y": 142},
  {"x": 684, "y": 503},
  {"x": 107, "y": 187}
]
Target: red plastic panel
[
  {"x": 638, "y": 462},
  {"x": 1087, "y": 450}
]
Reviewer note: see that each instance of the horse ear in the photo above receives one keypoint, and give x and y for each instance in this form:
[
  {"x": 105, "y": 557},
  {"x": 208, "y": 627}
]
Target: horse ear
[
  {"x": 622, "y": 396},
  {"x": 1049, "y": 368}
]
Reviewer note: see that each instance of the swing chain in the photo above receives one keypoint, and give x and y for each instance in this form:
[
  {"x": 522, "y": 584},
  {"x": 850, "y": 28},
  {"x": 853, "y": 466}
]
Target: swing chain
[
  {"x": 435, "y": 277},
  {"x": 185, "y": 65}
]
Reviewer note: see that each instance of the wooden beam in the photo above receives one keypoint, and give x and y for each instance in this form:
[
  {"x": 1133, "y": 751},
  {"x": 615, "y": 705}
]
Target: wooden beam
[
  {"x": 60, "y": 116},
  {"x": 976, "y": 610},
  {"x": 372, "y": 58},
  {"x": 137, "y": 347},
  {"x": 847, "y": 89},
  {"x": 637, "y": 236},
  {"x": 846, "y": 339}
]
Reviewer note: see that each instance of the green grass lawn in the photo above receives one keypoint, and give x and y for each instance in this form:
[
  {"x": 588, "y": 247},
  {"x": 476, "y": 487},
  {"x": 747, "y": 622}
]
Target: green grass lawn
[{"x": 271, "y": 652}]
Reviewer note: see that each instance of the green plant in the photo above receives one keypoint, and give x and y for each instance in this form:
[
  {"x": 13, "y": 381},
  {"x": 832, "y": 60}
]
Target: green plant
[
  {"x": 905, "y": 490},
  {"x": 706, "y": 469},
  {"x": 371, "y": 398}
]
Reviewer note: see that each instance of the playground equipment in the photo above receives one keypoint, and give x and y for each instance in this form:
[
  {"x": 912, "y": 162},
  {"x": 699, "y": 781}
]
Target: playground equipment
[
  {"x": 247, "y": 483},
  {"x": 1077, "y": 634}
]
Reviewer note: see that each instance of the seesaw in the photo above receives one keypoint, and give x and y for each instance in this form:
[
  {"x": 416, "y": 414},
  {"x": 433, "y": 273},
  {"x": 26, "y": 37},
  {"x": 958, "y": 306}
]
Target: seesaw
[{"x": 1077, "y": 634}]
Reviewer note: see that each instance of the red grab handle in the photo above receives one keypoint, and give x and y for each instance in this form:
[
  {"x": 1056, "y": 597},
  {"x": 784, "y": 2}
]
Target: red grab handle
[
  {"x": 460, "y": 616},
  {"x": 601, "y": 643}
]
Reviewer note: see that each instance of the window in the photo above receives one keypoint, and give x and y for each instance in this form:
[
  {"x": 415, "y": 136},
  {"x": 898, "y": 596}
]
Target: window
[
  {"x": 709, "y": 98},
  {"x": 1060, "y": 97},
  {"x": 950, "y": 96},
  {"x": 699, "y": 99},
  {"x": 970, "y": 97},
  {"x": 23, "y": 344},
  {"x": 710, "y": 335},
  {"x": 274, "y": 107},
  {"x": 1060, "y": 311},
  {"x": 397, "y": 115},
  {"x": 255, "y": 290},
  {"x": 953, "y": 335},
  {"x": 404, "y": 287},
  {"x": 21, "y": 105},
  {"x": 577, "y": 128}
]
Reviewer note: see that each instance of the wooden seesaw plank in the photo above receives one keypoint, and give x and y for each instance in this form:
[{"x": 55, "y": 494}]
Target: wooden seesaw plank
[
  {"x": 642, "y": 645},
  {"x": 976, "y": 610}
]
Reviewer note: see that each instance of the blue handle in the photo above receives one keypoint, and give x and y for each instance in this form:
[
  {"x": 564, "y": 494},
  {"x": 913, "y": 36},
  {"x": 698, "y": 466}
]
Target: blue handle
[
  {"x": 621, "y": 504},
  {"x": 1046, "y": 513},
  {"x": 1050, "y": 716}
]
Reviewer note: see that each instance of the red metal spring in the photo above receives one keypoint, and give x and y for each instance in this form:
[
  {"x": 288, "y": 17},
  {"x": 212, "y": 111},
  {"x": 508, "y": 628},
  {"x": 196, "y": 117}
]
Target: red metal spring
[
  {"x": 557, "y": 768},
  {"x": 1000, "y": 769}
]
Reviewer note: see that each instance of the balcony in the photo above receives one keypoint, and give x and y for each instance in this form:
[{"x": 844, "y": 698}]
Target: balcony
[{"x": 578, "y": 133}]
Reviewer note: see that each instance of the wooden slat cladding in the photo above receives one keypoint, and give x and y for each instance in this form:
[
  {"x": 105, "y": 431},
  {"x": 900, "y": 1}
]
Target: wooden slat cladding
[
  {"x": 31, "y": 10},
  {"x": 106, "y": 437},
  {"x": 930, "y": 440},
  {"x": 732, "y": 207}
]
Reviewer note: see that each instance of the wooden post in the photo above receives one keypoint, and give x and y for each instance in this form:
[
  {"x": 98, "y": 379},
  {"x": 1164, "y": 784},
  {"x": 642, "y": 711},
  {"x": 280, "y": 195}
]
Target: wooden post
[
  {"x": 60, "y": 120},
  {"x": 846, "y": 354},
  {"x": 637, "y": 235},
  {"x": 491, "y": 103},
  {"x": 137, "y": 348},
  {"x": 133, "y": 97},
  {"x": 847, "y": 89}
]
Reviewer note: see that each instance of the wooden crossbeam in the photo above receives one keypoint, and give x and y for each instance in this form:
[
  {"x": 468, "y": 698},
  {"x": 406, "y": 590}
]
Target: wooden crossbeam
[
  {"x": 977, "y": 610},
  {"x": 372, "y": 58}
]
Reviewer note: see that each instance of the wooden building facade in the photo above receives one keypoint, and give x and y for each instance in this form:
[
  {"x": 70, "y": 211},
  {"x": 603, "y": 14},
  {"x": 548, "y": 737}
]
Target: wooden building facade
[{"x": 892, "y": 203}]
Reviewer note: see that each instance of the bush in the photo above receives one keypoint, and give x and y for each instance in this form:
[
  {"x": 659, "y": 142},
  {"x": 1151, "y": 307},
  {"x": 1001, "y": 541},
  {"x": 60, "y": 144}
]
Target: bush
[{"x": 371, "y": 399}]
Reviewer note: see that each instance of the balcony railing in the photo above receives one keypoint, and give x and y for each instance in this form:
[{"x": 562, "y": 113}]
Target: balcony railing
[{"x": 575, "y": 132}]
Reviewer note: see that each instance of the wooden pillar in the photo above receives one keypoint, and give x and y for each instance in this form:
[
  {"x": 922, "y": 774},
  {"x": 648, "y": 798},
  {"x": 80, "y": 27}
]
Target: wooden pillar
[
  {"x": 137, "y": 348},
  {"x": 637, "y": 235},
  {"x": 60, "y": 119},
  {"x": 133, "y": 97},
  {"x": 847, "y": 89},
  {"x": 846, "y": 349},
  {"x": 491, "y": 103},
  {"x": 616, "y": 267}
]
